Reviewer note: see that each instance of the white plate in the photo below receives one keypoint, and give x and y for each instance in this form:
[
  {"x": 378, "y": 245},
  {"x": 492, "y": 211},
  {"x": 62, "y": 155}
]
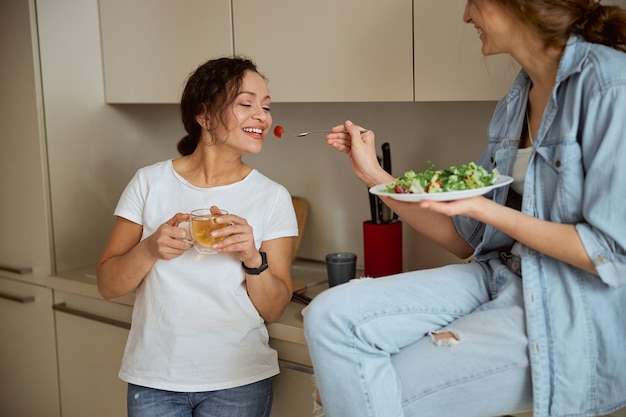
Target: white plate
[{"x": 501, "y": 181}]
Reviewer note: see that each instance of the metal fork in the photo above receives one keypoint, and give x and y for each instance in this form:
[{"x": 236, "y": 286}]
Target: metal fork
[{"x": 299, "y": 135}]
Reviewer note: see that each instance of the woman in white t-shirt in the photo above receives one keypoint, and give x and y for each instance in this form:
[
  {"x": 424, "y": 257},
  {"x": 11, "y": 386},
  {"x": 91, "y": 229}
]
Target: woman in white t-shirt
[{"x": 198, "y": 344}]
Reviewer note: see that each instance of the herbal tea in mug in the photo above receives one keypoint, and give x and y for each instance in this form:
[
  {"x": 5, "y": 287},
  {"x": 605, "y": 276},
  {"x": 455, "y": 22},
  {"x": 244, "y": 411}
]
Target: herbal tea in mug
[{"x": 202, "y": 223}]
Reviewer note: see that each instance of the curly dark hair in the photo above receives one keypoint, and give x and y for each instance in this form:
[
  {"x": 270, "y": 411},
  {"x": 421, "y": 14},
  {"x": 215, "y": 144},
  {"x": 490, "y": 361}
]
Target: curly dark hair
[
  {"x": 211, "y": 89},
  {"x": 557, "y": 20}
]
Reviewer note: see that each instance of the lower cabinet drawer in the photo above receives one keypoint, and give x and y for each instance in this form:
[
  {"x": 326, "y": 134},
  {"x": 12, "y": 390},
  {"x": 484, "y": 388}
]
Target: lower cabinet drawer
[
  {"x": 91, "y": 336},
  {"x": 293, "y": 387},
  {"x": 293, "y": 392},
  {"x": 28, "y": 357}
]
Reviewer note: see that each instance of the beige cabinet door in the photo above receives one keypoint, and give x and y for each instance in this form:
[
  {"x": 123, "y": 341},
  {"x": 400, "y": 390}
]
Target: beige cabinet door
[
  {"x": 293, "y": 393},
  {"x": 26, "y": 239},
  {"x": 28, "y": 366},
  {"x": 149, "y": 47},
  {"x": 91, "y": 336},
  {"x": 448, "y": 63},
  {"x": 351, "y": 50}
]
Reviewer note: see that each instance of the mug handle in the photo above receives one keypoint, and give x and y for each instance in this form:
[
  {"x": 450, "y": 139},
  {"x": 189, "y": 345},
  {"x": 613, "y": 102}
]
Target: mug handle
[{"x": 187, "y": 226}]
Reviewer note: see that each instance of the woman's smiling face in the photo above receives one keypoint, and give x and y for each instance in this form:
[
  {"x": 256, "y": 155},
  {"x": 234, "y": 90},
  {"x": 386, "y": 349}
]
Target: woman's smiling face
[
  {"x": 249, "y": 118},
  {"x": 497, "y": 27},
  {"x": 252, "y": 107}
]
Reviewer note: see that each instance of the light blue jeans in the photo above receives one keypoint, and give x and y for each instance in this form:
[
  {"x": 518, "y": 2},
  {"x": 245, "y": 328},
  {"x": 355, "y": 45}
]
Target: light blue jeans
[
  {"x": 252, "y": 400},
  {"x": 372, "y": 343}
]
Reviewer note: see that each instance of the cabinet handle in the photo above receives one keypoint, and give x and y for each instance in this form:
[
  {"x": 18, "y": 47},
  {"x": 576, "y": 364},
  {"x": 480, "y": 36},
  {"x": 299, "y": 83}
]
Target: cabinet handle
[
  {"x": 295, "y": 366},
  {"x": 16, "y": 269},
  {"x": 17, "y": 298},
  {"x": 63, "y": 308}
]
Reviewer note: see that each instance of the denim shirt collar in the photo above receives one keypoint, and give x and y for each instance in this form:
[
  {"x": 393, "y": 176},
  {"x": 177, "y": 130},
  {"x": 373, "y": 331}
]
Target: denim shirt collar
[
  {"x": 504, "y": 135},
  {"x": 576, "y": 49},
  {"x": 573, "y": 57}
]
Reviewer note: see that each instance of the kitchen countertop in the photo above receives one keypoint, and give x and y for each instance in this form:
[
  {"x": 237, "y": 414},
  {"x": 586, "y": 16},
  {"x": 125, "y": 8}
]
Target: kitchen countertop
[
  {"x": 83, "y": 282},
  {"x": 289, "y": 326}
]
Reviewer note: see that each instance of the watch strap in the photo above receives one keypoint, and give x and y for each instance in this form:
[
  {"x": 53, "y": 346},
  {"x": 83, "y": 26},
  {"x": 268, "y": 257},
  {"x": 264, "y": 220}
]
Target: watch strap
[{"x": 258, "y": 270}]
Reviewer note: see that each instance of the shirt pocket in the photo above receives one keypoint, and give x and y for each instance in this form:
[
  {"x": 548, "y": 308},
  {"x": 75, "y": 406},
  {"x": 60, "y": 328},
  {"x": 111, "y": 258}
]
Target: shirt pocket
[{"x": 560, "y": 179}]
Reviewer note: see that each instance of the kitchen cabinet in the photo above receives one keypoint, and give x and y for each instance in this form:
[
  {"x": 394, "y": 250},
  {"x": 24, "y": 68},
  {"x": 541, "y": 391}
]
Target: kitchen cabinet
[
  {"x": 91, "y": 335},
  {"x": 26, "y": 239},
  {"x": 293, "y": 391},
  {"x": 448, "y": 63},
  {"x": 28, "y": 371},
  {"x": 389, "y": 51},
  {"x": 150, "y": 46},
  {"x": 293, "y": 387},
  {"x": 28, "y": 375},
  {"x": 353, "y": 50}
]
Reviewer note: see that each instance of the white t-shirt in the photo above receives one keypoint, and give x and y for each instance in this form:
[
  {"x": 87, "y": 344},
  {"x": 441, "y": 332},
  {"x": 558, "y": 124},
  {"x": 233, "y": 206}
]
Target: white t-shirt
[
  {"x": 519, "y": 169},
  {"x": 519, "y": 173},
  {"x": 194, "y": 327}
]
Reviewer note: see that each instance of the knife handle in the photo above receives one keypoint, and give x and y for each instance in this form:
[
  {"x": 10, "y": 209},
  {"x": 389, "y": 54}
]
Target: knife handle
[
  {"x": 387, "y": 157},
  {"x": 301, "y": 298},
  {"x": 386, "y": 215}
]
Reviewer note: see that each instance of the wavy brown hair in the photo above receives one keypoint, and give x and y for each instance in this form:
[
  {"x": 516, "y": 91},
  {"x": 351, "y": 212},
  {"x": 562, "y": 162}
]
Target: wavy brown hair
[
  {"x": 557, "y": 20},
  {"x": 210, "y": 90}
]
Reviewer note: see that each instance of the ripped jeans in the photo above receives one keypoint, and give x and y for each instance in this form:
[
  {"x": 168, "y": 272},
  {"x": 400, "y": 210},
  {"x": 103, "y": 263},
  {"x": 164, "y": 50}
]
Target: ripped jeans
[{"x": 448, "y": 341}]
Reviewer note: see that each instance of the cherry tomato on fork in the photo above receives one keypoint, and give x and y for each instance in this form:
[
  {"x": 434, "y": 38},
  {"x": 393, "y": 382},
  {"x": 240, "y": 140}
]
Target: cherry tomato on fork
[{"x": 278, "y": 131}]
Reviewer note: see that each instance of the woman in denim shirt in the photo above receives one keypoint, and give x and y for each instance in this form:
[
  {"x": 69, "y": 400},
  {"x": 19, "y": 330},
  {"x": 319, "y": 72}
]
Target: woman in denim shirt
[{"x": 537, "y": 320}]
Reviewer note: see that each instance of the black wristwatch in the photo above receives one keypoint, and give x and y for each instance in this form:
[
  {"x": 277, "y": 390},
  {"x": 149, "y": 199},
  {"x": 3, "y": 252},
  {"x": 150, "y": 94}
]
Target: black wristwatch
[{"x": 256, "y": 271}]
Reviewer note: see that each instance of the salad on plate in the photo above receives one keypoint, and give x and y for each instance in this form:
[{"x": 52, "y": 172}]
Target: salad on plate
[
  {"x": 454, "y": 183},
  {"x": 456, "y": 178}
]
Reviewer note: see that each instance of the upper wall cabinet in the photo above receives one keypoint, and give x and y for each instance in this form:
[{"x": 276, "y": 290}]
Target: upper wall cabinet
[
  {"x": 449, "y": 65},
  {"x": 150, "y": 46},
  {"x": 325, "y": 50},
  {"x": 321, "y": 51}
]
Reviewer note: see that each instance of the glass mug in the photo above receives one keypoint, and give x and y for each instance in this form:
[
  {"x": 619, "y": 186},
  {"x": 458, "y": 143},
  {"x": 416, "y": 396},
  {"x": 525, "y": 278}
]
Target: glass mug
[{"x": 201, "y": 224}]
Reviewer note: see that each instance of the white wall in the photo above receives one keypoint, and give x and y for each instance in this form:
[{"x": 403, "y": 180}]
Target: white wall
[{"x": 95, "y": 148}]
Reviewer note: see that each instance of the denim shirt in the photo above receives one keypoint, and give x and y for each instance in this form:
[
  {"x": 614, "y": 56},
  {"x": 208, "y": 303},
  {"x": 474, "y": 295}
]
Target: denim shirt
[{"x": 576, "y": 321}]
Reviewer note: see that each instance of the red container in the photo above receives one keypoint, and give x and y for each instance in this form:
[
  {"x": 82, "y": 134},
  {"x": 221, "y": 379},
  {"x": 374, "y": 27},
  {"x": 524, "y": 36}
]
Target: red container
[{"x": 382, "y": 249}]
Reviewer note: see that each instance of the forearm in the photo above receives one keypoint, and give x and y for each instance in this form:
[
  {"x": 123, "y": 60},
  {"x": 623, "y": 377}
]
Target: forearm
[
  {"x": 560, "y": 241},
  {"x": 120, "y": 275},
  {"x": 270, "y": 291},
  {"x": 269, "y": 295},
  {"x": 437, "y": 227}
]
